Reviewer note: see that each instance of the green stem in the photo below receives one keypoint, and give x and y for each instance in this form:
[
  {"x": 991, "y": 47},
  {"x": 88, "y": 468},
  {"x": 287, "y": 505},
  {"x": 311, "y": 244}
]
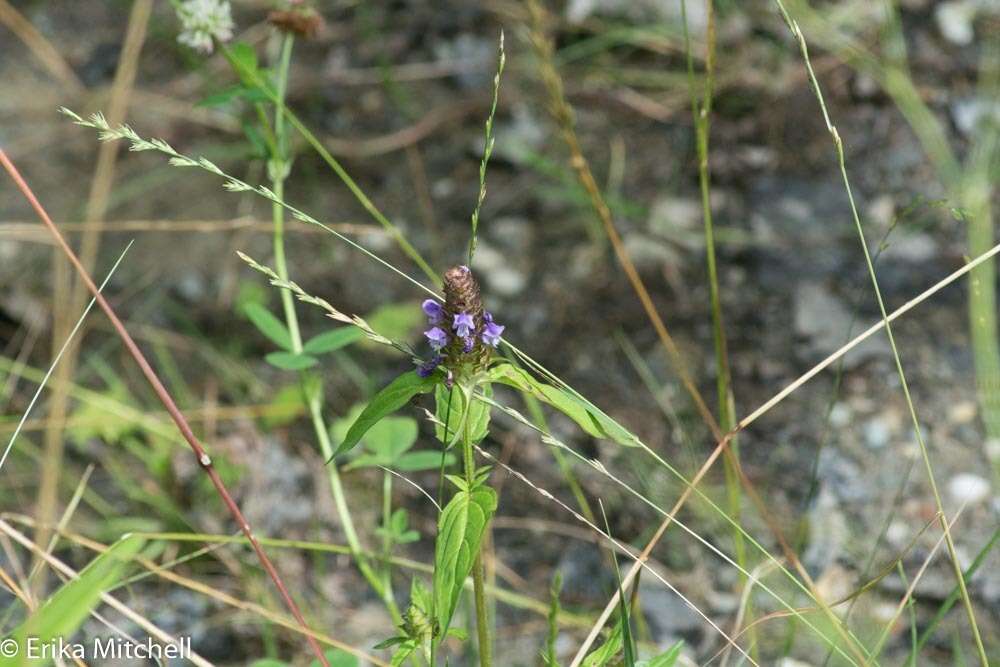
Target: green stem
[
  {"x": 478, "y": 583},
  {"x": 387, "y": 531},
  {"x": 278, "y": 170},
  {"x": 723, "y": 383}
]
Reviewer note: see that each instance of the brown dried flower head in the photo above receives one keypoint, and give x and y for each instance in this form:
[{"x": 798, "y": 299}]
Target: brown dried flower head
[{"x": 299, "y": 19}]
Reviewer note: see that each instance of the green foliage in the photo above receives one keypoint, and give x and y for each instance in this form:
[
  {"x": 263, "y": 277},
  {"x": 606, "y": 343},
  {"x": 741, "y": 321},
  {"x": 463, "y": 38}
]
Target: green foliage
[
  {"x": 388, "y": 444},
  {"x": 394, "y": 396},
  {"x": 666, "y": 659},
  {"x": 286, "y": 404},
  {"x": 418, "y": 628},
  {"x": 95, "y": 420},
  {"x": 289, "y": 361},
  {"x": 399, "y": 531},
  {"x": 450, "y": 409},
  {"x": 396, "y": 321},
  {"x": 606, "y": 652},
  {"x": 332, "y": 340},
  {"x": 460, "y": 531},
  {"x": 338, "y": 658},
  {"x": 591, "y": 421},
  {"x": 549, "y": 656},
  {"x": 66, "y": 609},
  {"x": 269, "y": 325}
]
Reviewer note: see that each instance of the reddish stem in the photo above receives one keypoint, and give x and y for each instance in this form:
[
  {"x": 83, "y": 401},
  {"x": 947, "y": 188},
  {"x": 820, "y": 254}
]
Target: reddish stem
[{"x": 161, "y": 392}]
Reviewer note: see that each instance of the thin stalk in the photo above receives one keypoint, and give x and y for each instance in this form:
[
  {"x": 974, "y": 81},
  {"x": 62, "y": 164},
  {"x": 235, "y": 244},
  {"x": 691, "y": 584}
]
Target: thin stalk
[
  {"x": 387, "y": 532},
  {"x": 925, "y": 456},
  {"x": 204, "y": 460},
  {"x": 278, "y": 170},
  {"x": 701, "y": 112},
  {"x": 478, "y": 583}
]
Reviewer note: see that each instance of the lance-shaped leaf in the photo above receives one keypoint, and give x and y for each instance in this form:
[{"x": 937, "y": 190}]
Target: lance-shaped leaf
[
  {"x": 460, "y": 532},
  {"x": 66, "y": 609},
  {"x": 394, "y": 396},
  {"x": 590, "y": 420}
]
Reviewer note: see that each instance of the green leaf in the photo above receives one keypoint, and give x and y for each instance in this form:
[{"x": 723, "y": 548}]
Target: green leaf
[
  {"x": 334, "y": 339},
  {"x": 590, "y": 420},
  {"x": 453, "y": 401},
  {"x": 425, "y": 459},
  {"x": 666, "y": 659},
  {"x": 338, "y": 658},
  {"x": 66, "y": 609},
  {"x": 391, "y": 437},
  {"x": 227, "y": 95},
  {"x": 285, "y": 406},
  {"x": 460, "y": 531},
  {"x": 403, "y": 652},
  {"x": 607, "y": 651},
  {"x": 243, "y": 59},
  {"x": 394, "y": 396},
  {"x": 390, "y": 642},
  {"x": 289, "y": 361},
  {"x": 269, "y": 325},
  {"x": 396, "y": 321}
]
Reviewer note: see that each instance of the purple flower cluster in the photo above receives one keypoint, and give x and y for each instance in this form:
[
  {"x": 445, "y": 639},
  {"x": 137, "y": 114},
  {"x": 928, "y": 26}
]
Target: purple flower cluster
[{"x": 462, "y": 327}]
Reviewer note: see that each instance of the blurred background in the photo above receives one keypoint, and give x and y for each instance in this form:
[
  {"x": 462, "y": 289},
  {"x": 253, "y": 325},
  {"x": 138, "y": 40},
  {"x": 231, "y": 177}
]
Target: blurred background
[{"x": 399, "y": 92}]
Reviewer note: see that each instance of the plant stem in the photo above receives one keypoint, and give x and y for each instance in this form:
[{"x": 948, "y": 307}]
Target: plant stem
[
  {"x": 478, "y": 583},
  {"x": 278, "y": 169},
  {"x": 387, "y": 534}
]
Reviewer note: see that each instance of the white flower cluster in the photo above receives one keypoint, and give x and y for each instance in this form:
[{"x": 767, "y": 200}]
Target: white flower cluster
[{"x": 204, "y": 20}]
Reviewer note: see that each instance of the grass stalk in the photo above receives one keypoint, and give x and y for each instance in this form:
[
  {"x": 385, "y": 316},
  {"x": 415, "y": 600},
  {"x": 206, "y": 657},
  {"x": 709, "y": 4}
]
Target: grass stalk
[
  {"x": 204, "y": 460},
  {"x": 701, "y": 113},
  {"x": 278, "y": 168},
  {"x": 925, "y": 455}
]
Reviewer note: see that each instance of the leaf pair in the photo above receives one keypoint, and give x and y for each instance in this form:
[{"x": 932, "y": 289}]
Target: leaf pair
[{"x": 287, "y": 359}]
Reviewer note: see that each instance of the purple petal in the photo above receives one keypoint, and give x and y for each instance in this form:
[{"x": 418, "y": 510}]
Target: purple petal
[
  {"x": 433, "y": 310},
  {"x": 437, "y": 337},
  {"x": 492, "y": 333},
  {"x": 463, "y": 324}
]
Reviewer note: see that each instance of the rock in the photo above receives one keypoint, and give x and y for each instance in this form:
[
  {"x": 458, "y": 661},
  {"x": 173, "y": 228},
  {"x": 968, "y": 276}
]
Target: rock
[
  {"x": 828, "y": 533},
  {"x": 518, "y": 137},
  {"x": 578, "y": 11},
  {"x": 881, "y": 210},
  {"x": 954, "y": 20},
  {"x": 966, "y": 488},
  {"x": 823, "y": 319},
  {"x": 477, "y": 55},
  {"x": 970, "y": 114},
  {"x": 678, "y": 219},
  {"x": 877, "y": 432},
  {"x": 670, "y": 618},
  {"x": 280, "y": 500},
  {"x": 499, "y": 274}
]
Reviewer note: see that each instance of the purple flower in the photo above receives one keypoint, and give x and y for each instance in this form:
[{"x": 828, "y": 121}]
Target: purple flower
[
  {"x": 437, "y": 337},
  {"x": 425, "y": 369},
  {"x": 492, "y": 331},
  {"x": 467, "y": 344},
  {"x": 433, "y": 310},
  {"x": 463, "y": 324}
]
